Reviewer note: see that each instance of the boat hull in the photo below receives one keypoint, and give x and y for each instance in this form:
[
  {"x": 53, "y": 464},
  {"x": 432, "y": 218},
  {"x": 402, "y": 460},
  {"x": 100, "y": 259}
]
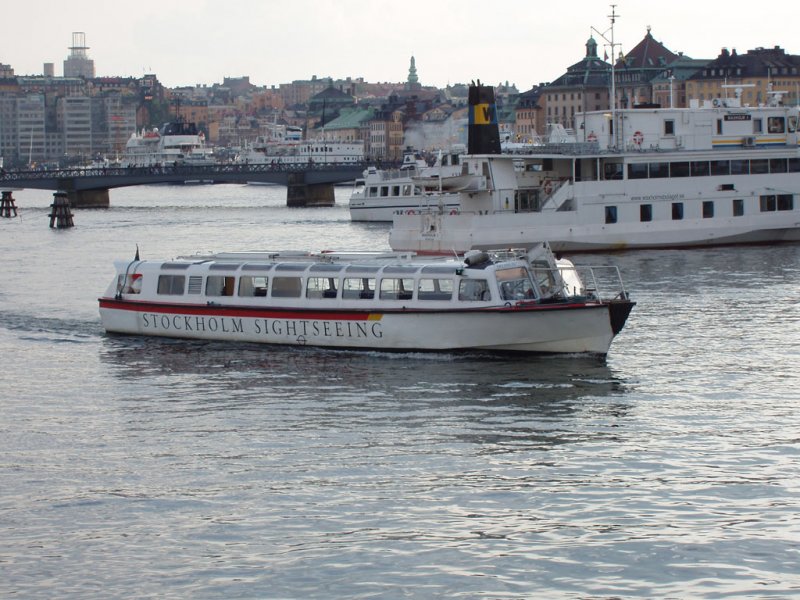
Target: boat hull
[{"x": 537, "y": 328}]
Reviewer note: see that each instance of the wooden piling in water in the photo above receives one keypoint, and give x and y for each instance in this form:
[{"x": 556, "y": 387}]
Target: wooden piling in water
[
  {"x": 8, "y": 208},
  {"x": 60, "y": 213}
]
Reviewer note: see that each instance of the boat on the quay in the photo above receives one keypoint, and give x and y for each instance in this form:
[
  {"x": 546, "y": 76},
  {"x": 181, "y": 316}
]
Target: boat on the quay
[
  {"x": 504, "y": 301},
  {"x": 382, "y": 193},
  {"x": 716, "y": 173},
  {"x": 177, "y": 143}
]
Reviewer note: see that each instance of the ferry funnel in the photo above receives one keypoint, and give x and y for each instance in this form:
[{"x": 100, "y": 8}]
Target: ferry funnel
[{"x": 483, "y": 135}]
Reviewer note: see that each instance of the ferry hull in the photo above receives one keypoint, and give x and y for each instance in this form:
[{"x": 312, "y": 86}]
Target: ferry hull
[{"x": 540, "y": 328}]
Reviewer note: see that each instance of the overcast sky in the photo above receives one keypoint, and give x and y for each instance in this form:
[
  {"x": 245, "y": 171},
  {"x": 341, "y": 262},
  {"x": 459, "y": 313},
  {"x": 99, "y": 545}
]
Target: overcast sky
[{"x": 523, "y": 42}]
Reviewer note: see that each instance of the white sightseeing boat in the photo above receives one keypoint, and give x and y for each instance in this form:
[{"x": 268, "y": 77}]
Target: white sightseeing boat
[
  {"x": 292, "y": 150},
  {"x": 177, "y": 143},
  {"x": 523, "y": 301},
  {"x": 711, "y": 174},
  {"x": 414, "y": 186}
]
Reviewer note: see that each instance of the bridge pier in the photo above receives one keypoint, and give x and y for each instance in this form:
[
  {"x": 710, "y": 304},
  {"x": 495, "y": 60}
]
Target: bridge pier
[
  {"x": 60, "y": 213},
  {"x": 299, "y": 193},
  {"x": 8, "y": 208},
  {"x": 89, "y": 198}
]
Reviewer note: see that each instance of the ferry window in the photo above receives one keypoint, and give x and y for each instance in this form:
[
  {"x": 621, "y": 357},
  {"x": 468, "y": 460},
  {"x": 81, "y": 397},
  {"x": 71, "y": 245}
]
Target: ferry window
[
  {"x": 612, "y": 171},
  {"x": 515, "y": 284},
  {"x": 699, "y": 168},
  {"x": 757, "y": 126},
  {"x": 794, "y": 165},
  {"x": 473, "y": 290},
  {"x": 407, "y": 189},
  {"x": 759, "y": 166},
  {"x": 740, "y": 167},
  {"x": 776, "y": 125},
  {"x": 777, "y": 165},
  {"x": 719, "y": 126},
  {"x": 768, "y": 203},
  {"x": 669, "y": 127},
  {"x": 738, "y": 207},
  {"x": 720, "y": 167},
  {"x": 219, "y": 285},
  {"x": 373, "y": 192},
  {"x": 785, "y": 202},
  {"x": 792, "y": 124},
  {"x": 611, "y": 214},
  {"x": 679, "y": 169},
  {"x": 321, "y": 287},
  {"x": 286, "y": 287},
  {"x": 384, "y": 191},
  {"x": 659, "y": 169},
  {"x": 132, "y": 284},
  {"x": 171, "y": 285},
  {"x": 645, "y": 212},
  {"x": 396, "y": 288},
  {"x": 637, "y": 171},
  {"x": 361, "y": 288},
  {"x": 395, "y": 190},
  {"x": 708, "y": 209},
  {"x": 435, "y": 289},
  {"x": 677, "y": 211},
  {"x": 255, "y": 285}
]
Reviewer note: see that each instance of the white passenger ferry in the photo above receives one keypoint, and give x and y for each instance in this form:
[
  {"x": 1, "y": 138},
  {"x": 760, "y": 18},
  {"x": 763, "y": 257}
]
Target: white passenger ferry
[
  {"x": 414, "y": 186},
  {"x": 711, "y": 174},
  {"x": 293, "y": 150},
  {"x": 524, "y": 301},
  {"x": 177, "y": 143}
]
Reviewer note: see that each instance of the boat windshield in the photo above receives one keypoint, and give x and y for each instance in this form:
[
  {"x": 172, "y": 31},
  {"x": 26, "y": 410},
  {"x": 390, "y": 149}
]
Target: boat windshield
[{"x": 515, "y": 284}]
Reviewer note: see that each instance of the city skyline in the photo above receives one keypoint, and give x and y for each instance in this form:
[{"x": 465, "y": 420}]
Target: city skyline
[{"x": 453, "y": 42}]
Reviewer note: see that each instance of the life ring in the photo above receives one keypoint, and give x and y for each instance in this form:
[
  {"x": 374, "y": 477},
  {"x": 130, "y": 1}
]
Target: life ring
[
  {"x": 592, "y": 137},
  {"x": 638, "y": 138},
  {"x": 454, "y": 212},
  {"x": 410, "y": 212},
  {"x": 548, "y": 187}
]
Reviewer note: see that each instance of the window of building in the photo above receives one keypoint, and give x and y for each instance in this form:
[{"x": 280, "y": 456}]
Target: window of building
[
  {"x": 708, "y": 209},
  {"x": 611, "y": 214},
  {"x": 677, "y": 211},
  {"x": 645, "y": 212},
  {"x": 171, "y": 285},
  {"x": 738, "y": 207}
]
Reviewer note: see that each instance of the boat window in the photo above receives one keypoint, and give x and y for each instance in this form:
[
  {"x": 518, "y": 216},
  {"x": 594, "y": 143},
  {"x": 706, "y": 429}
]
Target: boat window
[
  {"x": 171, "y": 285},
  {"x": 407, "y": 189},
  {"x": 759, "y": 166},
  {"x": 738, "y": 207},
  {"x": 611, "y": 214},
  {"x": 257, "y": 267},
  {"x": 361, "y": 269},
  {"x": 515, "y": 284},
  {"x": 708, "y": 209},
  {"x": 669, "y": 127},
  {"x": 439, "y": 269},
  {"x": 768, "y": 203},
  {"x": 321, "y": 287},
  {"x": 677, "y": 211},
  {"x": 220, "y": 285},
  {"x": 131, "y": 284},
  {"x": 645, "y": 212},
  {"x": 360, "y": 288},
  {"x": 776, "y": 125},
  {"x": 699, "y": 168},
  {"x": 255, "y": 285},
  {"x": 777, "y": 165},
  {"x": 325, "y": 268},
  {"x": 396, "y": 288},
  {"x": 195, "y": 285},
  {"x": 473, "y": 290},
  {"x": 792, "y": 124},
  {"x": 286, "y": 287},
  {"x": 373, "y": 192},
  {"x": 757, "y": 126},
  {"x": 223, "y": 266},
  {"x": 398, "y": 269},
  {"x": 740, "y": 167},
  {"x": 612, "y": 171},
  {"x": 719, "y": 126},
  {"x": 395, "y": 190},
  {"x": 794, "y": 165},
  {"x": 172, "y": 265},
  {"x": 785, "y": 202},
  {"x": 659, "y": 169},
  {"x": 291, "y": 267},
  {"x": 384, "y": 191},
  {"x": 435, "y": 289},
  {"x": 637, "y": 171},
  {"x": 679, "y": 169},
  {"x": 720, "y": 167}
]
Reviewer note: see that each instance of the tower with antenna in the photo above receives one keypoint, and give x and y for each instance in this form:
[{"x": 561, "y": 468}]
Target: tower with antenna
[{"x": 78, "y": 64}]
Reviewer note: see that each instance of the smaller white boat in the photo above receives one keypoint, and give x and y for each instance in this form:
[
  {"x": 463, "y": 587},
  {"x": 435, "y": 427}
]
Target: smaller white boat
[{"x": 509, "y": 301}]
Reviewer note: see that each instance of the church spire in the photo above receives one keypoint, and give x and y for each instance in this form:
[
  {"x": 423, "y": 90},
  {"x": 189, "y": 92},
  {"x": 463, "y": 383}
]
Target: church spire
[{"x": 413, "y": 79}]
